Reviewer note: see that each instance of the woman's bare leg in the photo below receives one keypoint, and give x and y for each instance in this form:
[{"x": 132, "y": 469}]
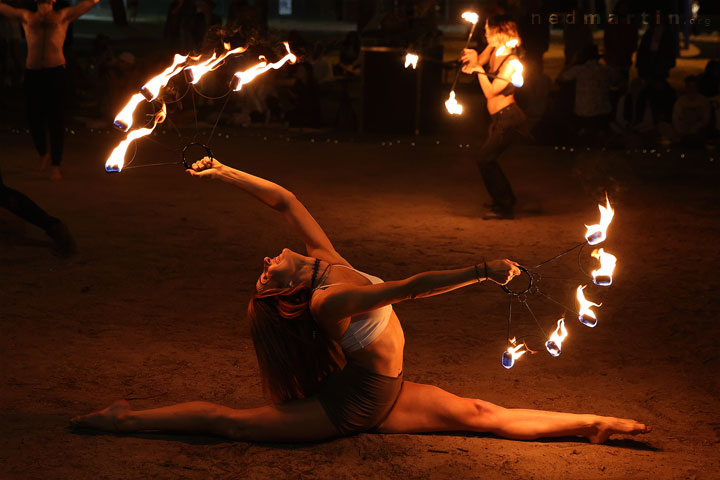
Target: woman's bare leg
[
  {"x": 298, "y": 421},
  {"x": 425, "y": 408}
]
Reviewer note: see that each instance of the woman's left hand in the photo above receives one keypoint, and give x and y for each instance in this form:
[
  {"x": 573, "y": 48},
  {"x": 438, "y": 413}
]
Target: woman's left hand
[{"x": 206, "y": 168}]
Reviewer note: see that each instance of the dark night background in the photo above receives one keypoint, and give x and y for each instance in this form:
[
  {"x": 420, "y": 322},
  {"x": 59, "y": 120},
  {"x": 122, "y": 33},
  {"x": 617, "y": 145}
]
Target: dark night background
[{"x": 151, "y": 307}]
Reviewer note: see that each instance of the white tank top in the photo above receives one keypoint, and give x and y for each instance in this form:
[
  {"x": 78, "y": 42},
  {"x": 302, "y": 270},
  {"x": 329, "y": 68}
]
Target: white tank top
[{"x": 364, "y": 327}]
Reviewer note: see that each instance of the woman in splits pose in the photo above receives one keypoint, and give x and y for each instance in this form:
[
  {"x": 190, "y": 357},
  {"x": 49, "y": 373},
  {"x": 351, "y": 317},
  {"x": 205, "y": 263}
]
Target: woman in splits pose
[{"x": 330, "y": 351}]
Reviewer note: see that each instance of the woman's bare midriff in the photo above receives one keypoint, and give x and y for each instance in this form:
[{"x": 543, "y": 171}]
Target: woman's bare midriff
[
  {"x": 498, "y": 102},
  {"x": 385, "y": 354}
]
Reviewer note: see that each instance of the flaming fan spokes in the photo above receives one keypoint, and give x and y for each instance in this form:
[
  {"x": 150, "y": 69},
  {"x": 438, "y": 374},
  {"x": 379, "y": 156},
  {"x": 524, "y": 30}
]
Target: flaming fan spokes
[
  {"x": 513, "y": 353},
  {"x": 603, "y": 275},
  {"x": 554, "y": 343},
  {"x": 598, "y": 233},
  {"x": 247, "y": 76},
  {"x": 116, "y": 160},
  {"x": 585, "y": 313}
]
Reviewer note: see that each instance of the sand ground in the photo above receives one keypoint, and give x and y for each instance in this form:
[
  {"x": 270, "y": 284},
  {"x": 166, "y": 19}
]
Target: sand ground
[{"x": 152, "y": 307}]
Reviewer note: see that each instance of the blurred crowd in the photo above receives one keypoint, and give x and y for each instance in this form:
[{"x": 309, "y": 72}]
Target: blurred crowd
[
  {"x": 612, "y": 91},
  {"x": 616, "y": 92}
]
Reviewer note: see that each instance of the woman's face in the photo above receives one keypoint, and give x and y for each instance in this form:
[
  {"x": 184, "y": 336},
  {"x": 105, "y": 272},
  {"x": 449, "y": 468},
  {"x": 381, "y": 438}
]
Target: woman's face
[
  {"x": 491, "y": 36},
  {"x": 278, "y": 271}
]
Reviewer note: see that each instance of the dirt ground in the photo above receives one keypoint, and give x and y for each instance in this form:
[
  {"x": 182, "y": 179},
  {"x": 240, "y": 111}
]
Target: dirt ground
[{"x": 152, "y": 309}]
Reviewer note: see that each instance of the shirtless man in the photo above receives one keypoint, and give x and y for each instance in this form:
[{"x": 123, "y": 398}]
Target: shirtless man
[{"x": 45, "y": 76}]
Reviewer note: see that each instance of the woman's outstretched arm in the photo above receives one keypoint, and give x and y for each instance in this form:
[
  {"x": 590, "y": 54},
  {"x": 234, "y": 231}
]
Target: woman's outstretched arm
[
  {"x": 345, "y": 300},
  {"x": 278, "y": 198}
]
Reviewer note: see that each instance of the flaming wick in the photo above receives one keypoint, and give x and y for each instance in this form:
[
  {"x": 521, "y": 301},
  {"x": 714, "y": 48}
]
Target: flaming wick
[
  {"x": 603, "y": 275},
  {"x": 451, "y": 104},
  {"x": 554, "y": 343},
  {"x": 411, "y": 60},
  {"x": 513, "y": 353},
  {"x": 585, "y": 314},
  {"x": 598, "y": 233}
]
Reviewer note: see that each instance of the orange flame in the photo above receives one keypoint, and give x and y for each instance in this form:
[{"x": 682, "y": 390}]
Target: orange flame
[
  {"x": 513, "y": 353},
  {"x": 196, "y": 72},
  {"x": 247, "y": 76},
  {"x": 453, "y": 107},
  {"x": 471, "y": 17},
  {"x": 603, "y": 275},
  {"x": 517, "y": 78},
  {"x": 124, "y": 119},
  {"x": 116, "y": 160},
  {"x": 411, "y": 60},
  {"x": 554, "y": 343},
  {"x": 152, "y": 88},
  {"x": 598, "y": 233},
  {"x": 508, "y": 45},
  {"x": 585, "y": 314}
]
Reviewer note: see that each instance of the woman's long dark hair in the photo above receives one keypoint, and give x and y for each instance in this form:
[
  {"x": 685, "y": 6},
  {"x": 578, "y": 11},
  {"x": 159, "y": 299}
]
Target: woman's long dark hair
[{"x": 294, "y": 353}]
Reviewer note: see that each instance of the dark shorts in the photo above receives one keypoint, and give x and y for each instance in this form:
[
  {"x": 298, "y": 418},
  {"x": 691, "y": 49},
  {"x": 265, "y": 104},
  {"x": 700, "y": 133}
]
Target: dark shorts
[{"x": 358, "y": 400}]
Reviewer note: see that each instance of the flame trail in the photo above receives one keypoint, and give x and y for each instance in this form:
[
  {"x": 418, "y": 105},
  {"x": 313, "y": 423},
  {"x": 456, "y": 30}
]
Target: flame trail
[
  {"x": 116, "y": 160},
  {"x": 151, "y": 89},
  {"x": 247, "y": 76},
  {"x": 124, "y": 119},
  {"x": 196, "y": 72}
]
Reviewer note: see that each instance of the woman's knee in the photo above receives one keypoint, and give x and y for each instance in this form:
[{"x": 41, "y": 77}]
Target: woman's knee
[{"x": 485, "y": 414}]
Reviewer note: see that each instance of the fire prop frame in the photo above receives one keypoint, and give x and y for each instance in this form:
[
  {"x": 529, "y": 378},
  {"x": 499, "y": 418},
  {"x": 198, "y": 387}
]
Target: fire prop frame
[
  {"x": 194, "y": 69},
  {"x": 602, "y": 277}
]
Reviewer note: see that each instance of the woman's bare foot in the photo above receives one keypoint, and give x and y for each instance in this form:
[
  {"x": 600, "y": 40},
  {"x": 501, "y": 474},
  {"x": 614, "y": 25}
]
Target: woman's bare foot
[
  {"x": 109, "y": 419},
  {"x": 604, "y": 427}
]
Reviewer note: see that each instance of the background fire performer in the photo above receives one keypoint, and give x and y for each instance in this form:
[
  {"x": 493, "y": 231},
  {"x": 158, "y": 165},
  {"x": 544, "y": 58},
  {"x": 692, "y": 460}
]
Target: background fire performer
[
  {"x": 507, "y": 119},
  {"x": 45, "y": 76},
  {"x": 330, "y": 350}
]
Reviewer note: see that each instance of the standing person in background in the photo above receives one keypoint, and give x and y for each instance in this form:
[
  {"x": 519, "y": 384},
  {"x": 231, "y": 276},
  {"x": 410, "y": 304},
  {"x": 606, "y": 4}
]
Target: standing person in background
[
  {"x": 45, "y": 74},
  {"x": 621, "y": 41},
  {"x": 592, "y": 91},
  {"x": 494, "y": 68},
  {"x": 659, "y": 47}
]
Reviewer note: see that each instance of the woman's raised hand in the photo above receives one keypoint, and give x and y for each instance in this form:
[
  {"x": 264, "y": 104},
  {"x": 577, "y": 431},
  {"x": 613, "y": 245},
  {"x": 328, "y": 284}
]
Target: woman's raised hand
[
  {"x": 206, "y": 168},
  {"x": 502, "y": 271},
  {"x": 469, "y": 59}
]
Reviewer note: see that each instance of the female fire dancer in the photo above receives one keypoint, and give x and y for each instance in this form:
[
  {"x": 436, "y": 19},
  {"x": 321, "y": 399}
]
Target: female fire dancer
[
  {"x": 330, "y": 350},
  {"x": 494, "y": 71}
]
